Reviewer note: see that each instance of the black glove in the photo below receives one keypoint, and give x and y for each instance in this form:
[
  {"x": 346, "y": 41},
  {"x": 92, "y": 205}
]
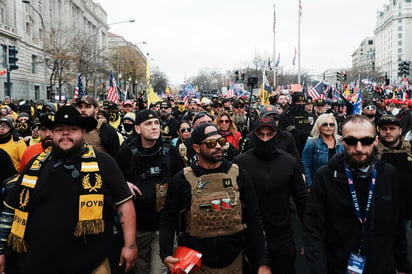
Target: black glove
[{"x": 245, "y": 144}]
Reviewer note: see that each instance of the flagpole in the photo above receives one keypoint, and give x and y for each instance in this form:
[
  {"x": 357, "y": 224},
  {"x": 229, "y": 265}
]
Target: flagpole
[
  {"x": 299, "y": 20},
  {"x": 274, "y": 48}
]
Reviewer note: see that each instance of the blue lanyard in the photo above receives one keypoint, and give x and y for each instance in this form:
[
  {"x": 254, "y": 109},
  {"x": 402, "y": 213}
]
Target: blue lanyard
[{"x": 355, "y": 198}]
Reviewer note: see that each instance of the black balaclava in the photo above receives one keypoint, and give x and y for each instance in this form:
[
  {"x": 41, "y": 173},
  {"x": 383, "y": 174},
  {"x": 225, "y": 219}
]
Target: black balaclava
[{"x": 264, "y": 149}]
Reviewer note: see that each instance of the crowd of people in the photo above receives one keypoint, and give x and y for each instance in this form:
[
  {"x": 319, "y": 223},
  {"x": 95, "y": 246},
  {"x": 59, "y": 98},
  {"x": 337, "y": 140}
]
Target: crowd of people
[{"x": 95, "y": 186}]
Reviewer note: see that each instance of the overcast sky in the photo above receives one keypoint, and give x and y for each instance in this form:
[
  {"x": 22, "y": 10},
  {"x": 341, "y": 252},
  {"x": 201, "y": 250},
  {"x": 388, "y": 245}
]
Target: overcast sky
[{"x": 185, "y": 36}]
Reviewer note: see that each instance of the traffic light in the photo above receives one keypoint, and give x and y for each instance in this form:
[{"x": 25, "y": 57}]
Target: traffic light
[
  {"x": 338, "y": 76},
  {"x": 400, "y": 69},
  {"x": 242, "y": 76},
  {"x": 344, "y": 76},
  {"x": 236, "y": 75},
  {"x": 406, "y": 67},
  {"x": 13, "y": 58}
]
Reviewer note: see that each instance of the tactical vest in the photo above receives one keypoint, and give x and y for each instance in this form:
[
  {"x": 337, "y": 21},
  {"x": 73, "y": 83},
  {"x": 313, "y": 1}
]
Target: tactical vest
[
  {"x": 93, "y": 137},
  {"x": 157, "y": 173},
  {"x": 201, "y": 219},
  {"x": 405, "y": 149}
]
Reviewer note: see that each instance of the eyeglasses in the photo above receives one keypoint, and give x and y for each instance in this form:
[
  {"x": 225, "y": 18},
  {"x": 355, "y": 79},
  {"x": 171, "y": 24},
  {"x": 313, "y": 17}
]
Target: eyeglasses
[
  {"x": 185, "y": 129},
  {"x": 365, "y": 141},
  {"x": 4, "y": 126},
  {"x": 164, "y": 107},
  {"x": 212, "y": 143},
  {"x": 328, "y": 124},
  {"x": 239, "y": 106},
  {"x": 370, "y": 107},
  {"x": 224, "y": 121}
]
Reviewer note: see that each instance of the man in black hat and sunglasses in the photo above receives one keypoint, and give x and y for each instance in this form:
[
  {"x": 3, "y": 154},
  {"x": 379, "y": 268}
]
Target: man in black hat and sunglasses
[
  {"x": 353, "y": 220},
  {"x": 212, "y": 206},
  {"x": 58, "y": 217}
]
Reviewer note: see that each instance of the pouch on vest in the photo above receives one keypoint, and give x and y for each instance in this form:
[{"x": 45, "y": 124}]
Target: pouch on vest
[
  {"x": 161, "y": 192},
  {"x": 201, "y": 219}
]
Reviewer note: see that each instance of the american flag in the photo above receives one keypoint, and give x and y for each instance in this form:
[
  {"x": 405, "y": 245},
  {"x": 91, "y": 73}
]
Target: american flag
[
  {"x": 112, "y": 91},
  {"x": 317, "y": 92},
  {"x": 79, "y": 90}
]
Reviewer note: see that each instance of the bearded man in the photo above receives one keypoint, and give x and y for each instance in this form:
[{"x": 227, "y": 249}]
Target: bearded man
[
  {"x": 58, "y": 217},
  {"x": 353, "y": 221}
]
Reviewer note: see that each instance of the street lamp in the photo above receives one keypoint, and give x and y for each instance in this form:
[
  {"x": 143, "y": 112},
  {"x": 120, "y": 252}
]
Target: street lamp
[
  {"x": 97, "y": 47},
  {"x": 43, "y": 41}
]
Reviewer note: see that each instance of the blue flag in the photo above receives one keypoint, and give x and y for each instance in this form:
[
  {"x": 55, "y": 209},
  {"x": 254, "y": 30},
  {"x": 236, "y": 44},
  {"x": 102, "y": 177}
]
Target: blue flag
[{"x": 357, "y": 106}]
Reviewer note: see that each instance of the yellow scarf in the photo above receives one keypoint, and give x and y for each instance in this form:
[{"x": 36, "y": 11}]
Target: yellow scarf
[{"x": 91, "y": 199}]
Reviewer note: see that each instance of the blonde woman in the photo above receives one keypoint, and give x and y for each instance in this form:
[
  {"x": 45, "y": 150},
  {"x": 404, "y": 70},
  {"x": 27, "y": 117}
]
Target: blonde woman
[
  {"x": 322, "y": 146},
  {"x": 227, "y": 128}
]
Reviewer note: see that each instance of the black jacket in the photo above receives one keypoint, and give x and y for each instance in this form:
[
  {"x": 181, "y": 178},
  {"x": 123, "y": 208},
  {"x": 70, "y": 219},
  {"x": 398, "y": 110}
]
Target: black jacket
[
  {"x": 217, "y": 252},
  {"x": 332, "y": 231},
  {"x": 275, "y": 181}
]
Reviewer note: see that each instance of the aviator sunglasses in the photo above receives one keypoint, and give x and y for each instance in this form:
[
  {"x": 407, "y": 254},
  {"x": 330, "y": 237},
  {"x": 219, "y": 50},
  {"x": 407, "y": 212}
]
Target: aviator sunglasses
[
  {"x": 185, "y": 129},
  {"x": 212, "y": 143},
  {"x": 365, "y": 141}
]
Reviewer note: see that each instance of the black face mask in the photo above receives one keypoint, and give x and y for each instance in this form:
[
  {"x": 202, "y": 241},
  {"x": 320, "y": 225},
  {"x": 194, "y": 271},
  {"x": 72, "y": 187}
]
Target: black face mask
[
  {"x": 22, "y": 126},
  {"x": 128, "y": 127},
  {"x": 298, "y": 109},
  {"x": 264, "y": 149}
]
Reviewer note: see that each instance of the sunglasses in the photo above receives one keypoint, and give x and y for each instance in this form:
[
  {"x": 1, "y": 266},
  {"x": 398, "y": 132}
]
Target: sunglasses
[
  {"x": 224, "y": 121},
  {"x": 370, "y": 107},
  {"x": 239, "y": 106},
  {"x": 212, "y": 143},
  {"x": 164, "y": 107},
  {"x": 352, "y": 141},
  {"x": 328, "y": 124},
  {"x": 185, "y": 129}
]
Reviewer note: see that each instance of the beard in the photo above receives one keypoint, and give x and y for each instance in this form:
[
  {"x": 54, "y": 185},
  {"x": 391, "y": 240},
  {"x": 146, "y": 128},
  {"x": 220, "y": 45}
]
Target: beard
[
  {"x": 353, "y": 163},
  {"x": 68, "y": 154},
  {"x": 213, "y": 158},
  {"x": 46, "y": 143},
  {"x": 239, "y": 118}
]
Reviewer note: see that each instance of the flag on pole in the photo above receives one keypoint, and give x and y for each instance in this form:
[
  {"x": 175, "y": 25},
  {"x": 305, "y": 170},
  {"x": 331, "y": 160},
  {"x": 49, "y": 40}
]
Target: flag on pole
[
  {"x": 317, "y": 92},
  {"x": 112, "y": 91},
  {"x": 274, "y": 20},
  {"x": 357, "y": 103},
  {"x": 277, "y": 62},
  {"x": 294, "y": 57},
  {"x": 79, "y": 90}
]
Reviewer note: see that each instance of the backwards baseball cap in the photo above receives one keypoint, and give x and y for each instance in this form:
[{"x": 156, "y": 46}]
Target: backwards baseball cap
[
  {"x": 264, "y": 122},
  {"x": 389, "y": 119},
  {"x": 198, "y": 134},
  {"x": 88, "y": 101},
  {"x": 144, "y": 115}
]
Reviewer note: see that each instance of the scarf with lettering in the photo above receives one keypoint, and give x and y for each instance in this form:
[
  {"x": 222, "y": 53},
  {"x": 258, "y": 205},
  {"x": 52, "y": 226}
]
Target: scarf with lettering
[{"x": 90, "y": 199}]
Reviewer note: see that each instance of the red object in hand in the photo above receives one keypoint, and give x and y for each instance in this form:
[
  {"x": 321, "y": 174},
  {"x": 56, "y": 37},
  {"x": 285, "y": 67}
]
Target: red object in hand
[{"x": 190, "y": 260}]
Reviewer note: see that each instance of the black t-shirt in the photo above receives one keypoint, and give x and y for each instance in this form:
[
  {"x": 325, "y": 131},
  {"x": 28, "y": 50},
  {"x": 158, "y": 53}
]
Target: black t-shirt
[{"x": 53, "y": 216}]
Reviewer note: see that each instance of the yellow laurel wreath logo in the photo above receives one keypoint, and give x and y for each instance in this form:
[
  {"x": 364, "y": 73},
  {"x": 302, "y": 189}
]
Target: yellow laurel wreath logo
[
  {"x": 86, "y": 182},
  {"x": 24, "y": 198}
]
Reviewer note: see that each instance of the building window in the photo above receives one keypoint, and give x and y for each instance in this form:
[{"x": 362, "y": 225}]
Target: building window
[
  {"x": 399, "y": 43},
  {"x": 408, "y": 1},
  {"x": 36, "y": 92},
  {"x": 370, "y": 42},
  {"x": 33, "y": 64},
  {"x": 399, "y": 50},
  {"x": 2, "y": 18},
  {"x": 399, "y": 28},
  {"x": 399, "y": 35}
]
